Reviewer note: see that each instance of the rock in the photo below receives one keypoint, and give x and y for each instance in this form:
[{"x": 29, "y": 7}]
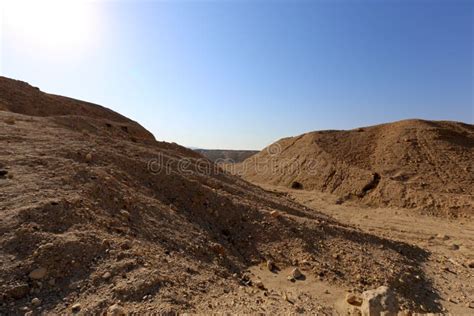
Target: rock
[
  {"x": 38, "y": 274},
  {"x": 442, "y": 236},
  {"x": 453, "y": 247},
  {"x": 76, "y": 308},
  {"x": 470, "y": 264},
  {"x": 125, "y": 214},
  {"x": 353, "y": 299},
  {"x": 36, "y": 301},
  {"x": 106, "y": 275},
  {"x": 380, "y": 301},
  {"x": 275, "y": 214},
  {"x": 259, "y": 284},
  {"x": 218, "y": 249},
  {"x": 18, "y": 291},
  {"x": 115, "y": 310},
  {"x": 270, "y": 265},
  {"x": 470, "y": 304},
  {"x": 290, "y": 278},
  {"x": 296, "y": 273},
  {"x": 125, "y": 245},
  {"x": 89, "y": 157}
]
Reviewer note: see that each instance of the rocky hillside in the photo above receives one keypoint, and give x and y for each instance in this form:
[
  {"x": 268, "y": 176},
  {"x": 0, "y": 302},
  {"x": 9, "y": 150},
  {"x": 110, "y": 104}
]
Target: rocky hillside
[
  {"x": 98, "y": 217},
  {"x": 427, "y": 165}
]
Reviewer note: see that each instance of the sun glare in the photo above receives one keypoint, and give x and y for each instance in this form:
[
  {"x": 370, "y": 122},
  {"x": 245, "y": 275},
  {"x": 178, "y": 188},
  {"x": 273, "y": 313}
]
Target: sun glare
[{"x": 59, "y": 25}]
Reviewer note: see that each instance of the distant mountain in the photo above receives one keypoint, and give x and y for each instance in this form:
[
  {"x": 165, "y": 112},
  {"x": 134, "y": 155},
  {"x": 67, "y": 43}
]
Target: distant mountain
[{"x": 232, "y": 156}]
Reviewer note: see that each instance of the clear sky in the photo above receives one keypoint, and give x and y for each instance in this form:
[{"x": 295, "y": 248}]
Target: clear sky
[{"x": 242, "y": 74}]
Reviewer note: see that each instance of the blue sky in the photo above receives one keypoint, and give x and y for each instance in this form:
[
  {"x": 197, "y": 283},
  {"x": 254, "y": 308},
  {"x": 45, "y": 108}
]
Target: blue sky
[{"x": 242, "y": 74}]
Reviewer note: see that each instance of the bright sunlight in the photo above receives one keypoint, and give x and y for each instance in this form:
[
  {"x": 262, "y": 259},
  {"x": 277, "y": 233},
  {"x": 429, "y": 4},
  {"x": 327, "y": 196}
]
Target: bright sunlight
[{"x": 56, "y": 25}]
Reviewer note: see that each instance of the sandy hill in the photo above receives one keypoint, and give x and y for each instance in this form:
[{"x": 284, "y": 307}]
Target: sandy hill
[
  {"x": 227, "y": 156},
  {"x": 410, "y": 164},
  {"x": 97, "y": 216}
]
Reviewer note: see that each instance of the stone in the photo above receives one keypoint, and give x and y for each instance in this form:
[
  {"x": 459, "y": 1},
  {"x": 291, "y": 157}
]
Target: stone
[
  {"x": 470, "y": 264},
  {"x": 453, "y": 247},
  {"x": 38, "y": 274},
  {"x": 76, "y": 308},
  {"x": 107, "y": 275},
  {"x": 275, "y": 214},
  {"x": 442, "y": 236},
  {"x": 259, "y": 284},
  {"x": 125, "y": 214},
  {"x": 218, "y": 249},
  {"x": 89, "y": 157},
  {"x": 353, "y": 299},
  {"x": 36, "y": 301},
  {"x": 296, "y": 273},
  {"x": 380, "y": 301},
  {"x": 115, "y": 310},
  {"x": 270, "y": 265}
]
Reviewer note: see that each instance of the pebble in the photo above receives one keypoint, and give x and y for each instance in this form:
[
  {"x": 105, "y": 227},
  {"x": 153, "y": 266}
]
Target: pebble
[
  {"x": 259, "y": 284},
  {"x": 270, "y": 265},
  {"x": 125, "y": 214},
  {"x": 36, "y": 301},
  {"x": 76, "y": 307},
  {"x": 89, "y": 157},
  {"x": 296, "y": 273},
  {"x": 38, "y": 274},
  {"x": 275, "y": 214},
  {"x": 470, "y": 264},
  {"x": 453, "y": 247},
  {"x": 106, "y": 275},
  {"x": 442, "y": 236}
]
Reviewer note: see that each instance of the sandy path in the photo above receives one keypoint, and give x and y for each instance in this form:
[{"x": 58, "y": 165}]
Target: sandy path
[{"x": 450, "y": 242}]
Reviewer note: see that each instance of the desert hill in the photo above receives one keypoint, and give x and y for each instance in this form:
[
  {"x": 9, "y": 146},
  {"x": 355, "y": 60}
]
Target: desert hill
[
  {"x": 411, "y": 164},
  {"x": 97, "y": 216},
  {"x": 227, "y": 156}
]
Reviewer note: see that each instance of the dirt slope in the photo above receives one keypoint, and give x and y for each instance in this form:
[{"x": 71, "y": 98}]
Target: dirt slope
[
  {"x": 411, "y": 164},
  {"x": 227, "y": 156},
  {"x": 94, "y": 215}
]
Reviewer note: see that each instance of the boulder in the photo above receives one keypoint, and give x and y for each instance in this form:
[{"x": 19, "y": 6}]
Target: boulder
[
  {"x": 380, "y": 301},
  {"x": 115, "y": 310}
]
